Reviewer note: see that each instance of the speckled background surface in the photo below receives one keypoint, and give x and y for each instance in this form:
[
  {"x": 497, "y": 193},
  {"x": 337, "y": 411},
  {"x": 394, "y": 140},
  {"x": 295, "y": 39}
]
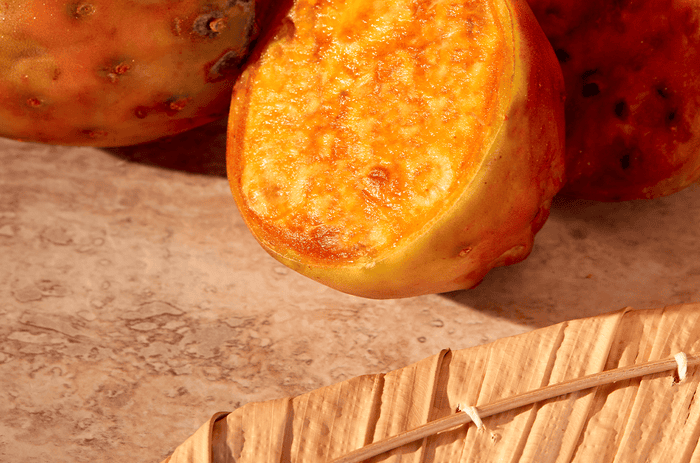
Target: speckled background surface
[{"x": 134, "y": 303}]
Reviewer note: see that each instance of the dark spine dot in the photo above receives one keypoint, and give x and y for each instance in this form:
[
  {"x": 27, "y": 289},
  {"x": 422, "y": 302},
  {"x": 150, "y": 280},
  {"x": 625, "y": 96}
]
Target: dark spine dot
[
  {"x": 621, "y": 109},
  {"x": 671, "y": 118},
  {"x": 562, "y": 55},
  {"x": 662, "y": 92},
  {"x": 590, "y": 89},
  {"x": 588, "y": 73},
  {"x": 141, "y": 112},
  {"x": 625, "y": 162}
]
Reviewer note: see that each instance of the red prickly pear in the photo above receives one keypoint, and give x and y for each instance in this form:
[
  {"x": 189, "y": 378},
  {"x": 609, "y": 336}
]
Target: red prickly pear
[{"x": 632, "y": 94}]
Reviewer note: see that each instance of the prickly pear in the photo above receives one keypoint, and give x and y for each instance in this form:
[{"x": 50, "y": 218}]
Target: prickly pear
[
  {"x": 632, "y": 94},
  {"x": 106, "y": 73},
  {"x": 392, "y": 149}
]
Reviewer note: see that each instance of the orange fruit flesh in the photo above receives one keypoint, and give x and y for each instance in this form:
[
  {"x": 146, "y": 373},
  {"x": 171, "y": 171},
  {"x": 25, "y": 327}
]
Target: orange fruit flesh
[{"x": 364, "y": 121}]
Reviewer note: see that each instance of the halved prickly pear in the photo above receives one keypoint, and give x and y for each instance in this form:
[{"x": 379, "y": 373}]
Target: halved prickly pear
[
  {"x": 106, "y": 73},
  {"x": 391, "y": 149},
  {"x": 632, "y": 94}
]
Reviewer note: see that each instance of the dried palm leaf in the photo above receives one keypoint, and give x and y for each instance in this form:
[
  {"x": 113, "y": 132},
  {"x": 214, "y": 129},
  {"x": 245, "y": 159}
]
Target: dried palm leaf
[{"x": 614, "y": 388}]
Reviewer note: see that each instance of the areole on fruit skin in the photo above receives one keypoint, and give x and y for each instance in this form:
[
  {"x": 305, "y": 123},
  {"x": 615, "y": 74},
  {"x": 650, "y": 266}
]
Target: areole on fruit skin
[
  {"x": 106, "y": 73},
  {"x": 495, "y": 218}
]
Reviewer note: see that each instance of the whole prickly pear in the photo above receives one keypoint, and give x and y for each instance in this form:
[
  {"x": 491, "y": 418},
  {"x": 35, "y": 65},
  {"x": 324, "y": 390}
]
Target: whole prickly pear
[
  {"x": 108, "y": 73},
  {"x": 632, "y": 94}
]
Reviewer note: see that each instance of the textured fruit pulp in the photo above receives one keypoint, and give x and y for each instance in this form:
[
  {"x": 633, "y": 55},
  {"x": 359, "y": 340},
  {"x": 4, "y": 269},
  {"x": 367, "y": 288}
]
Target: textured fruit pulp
[
  {"x": 633, "y": 90},
  {"x": 75, "y": 70},
  {"x": 365, "y": 120}
]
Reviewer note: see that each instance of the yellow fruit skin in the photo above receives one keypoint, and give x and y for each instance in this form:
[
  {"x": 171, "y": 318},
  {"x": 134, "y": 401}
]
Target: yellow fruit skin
[{"x": 494, "y": 221}]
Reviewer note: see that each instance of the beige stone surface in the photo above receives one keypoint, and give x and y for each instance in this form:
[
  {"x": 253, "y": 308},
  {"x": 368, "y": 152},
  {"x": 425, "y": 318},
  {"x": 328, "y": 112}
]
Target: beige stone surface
[{"x": 134, "y": 303}]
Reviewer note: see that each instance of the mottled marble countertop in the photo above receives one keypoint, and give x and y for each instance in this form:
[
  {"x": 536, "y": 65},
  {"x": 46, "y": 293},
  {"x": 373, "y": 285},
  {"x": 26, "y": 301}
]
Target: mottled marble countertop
[{"x": 134, "y": 303}]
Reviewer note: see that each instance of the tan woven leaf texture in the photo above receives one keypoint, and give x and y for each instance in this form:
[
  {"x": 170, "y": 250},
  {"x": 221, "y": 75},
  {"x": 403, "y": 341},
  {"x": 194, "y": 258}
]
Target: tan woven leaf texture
[{"x": 649, "y": 415}]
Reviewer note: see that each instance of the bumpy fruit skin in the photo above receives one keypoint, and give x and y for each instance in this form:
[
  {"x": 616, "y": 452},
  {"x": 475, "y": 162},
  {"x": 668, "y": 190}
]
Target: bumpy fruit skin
[
  {"x": 487, "y": 222},
  {"x": 632, "y": 94},
  {"x": 108, "y": 73}
]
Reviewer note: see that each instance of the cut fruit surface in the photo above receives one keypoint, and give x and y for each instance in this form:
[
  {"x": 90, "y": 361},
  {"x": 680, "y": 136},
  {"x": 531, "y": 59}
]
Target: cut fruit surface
[
  {"x": 365, "y": 130},
  {"x": 390, "y": 109}
]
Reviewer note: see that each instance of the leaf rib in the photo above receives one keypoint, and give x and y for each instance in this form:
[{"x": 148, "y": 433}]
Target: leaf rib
[{"x": 511, "y": 403}]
